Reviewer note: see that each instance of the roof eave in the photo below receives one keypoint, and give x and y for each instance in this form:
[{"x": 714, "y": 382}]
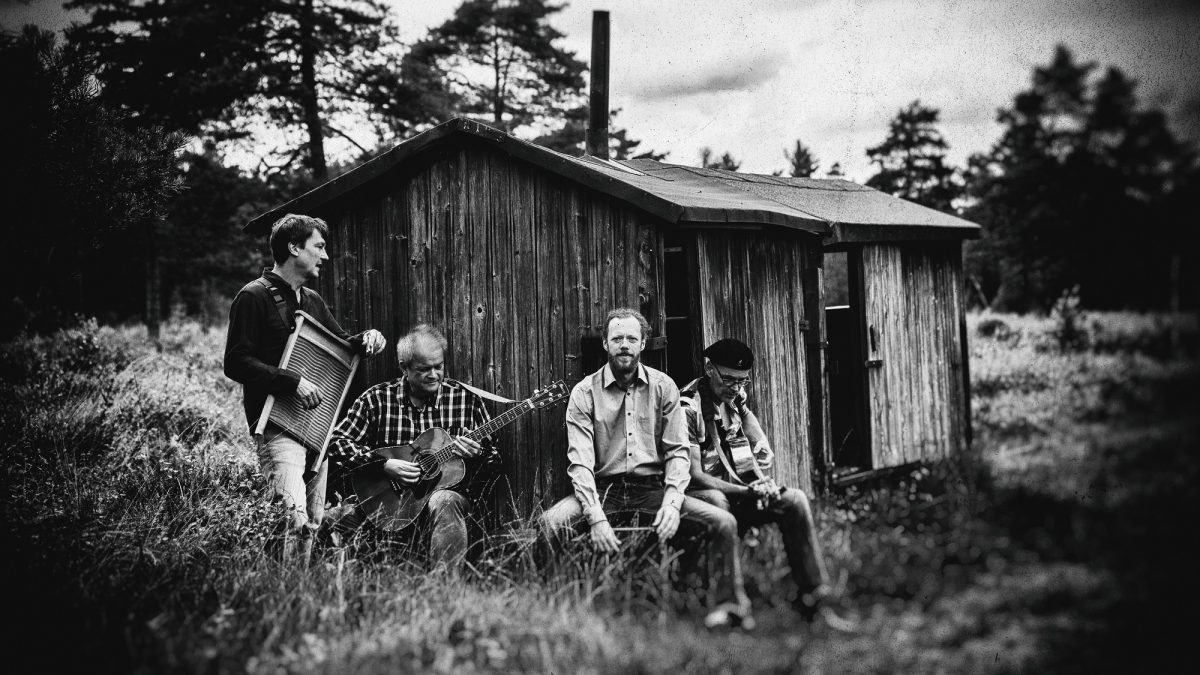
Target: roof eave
[
  {"x": 863, "y": 233},
  {"x": 468, "y": 129}
]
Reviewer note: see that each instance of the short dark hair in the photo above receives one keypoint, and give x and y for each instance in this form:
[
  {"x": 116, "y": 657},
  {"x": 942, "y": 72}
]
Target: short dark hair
[
  {"x": 294, "y": 229},
  {"x": 627, "y": 313}
]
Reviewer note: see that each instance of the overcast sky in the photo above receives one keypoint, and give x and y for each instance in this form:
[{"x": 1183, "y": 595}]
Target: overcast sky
[{"x": 751, "y": 76}]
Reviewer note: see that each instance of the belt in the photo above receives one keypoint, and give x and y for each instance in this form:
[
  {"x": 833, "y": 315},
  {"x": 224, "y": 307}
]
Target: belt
[{"x": 627, "y": 479}]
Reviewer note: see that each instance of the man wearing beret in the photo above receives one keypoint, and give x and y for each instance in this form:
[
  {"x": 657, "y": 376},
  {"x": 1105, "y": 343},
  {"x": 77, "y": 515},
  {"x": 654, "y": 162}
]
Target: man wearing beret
[
  {"x": 628, "y": 457},
  {"x": 730, "y": 457}
]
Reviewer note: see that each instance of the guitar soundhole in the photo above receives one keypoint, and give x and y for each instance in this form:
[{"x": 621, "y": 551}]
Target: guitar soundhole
[{"x": 430, "y": 469}]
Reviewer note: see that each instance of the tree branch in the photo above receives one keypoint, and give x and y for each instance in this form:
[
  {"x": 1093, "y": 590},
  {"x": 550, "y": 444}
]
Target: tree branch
[{"x": 339, "y": 132}]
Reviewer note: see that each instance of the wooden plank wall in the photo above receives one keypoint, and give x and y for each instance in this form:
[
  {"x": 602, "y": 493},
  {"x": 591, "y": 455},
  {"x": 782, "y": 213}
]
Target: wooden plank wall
[
  {"x": 514, "y": 264},
  {"x": 917, "y": 396},
  {"x": 752, "y": 289}
]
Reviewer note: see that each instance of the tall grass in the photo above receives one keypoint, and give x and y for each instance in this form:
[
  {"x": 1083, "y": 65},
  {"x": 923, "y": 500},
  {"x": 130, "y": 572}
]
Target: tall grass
[{"x": 138, "y": 523}]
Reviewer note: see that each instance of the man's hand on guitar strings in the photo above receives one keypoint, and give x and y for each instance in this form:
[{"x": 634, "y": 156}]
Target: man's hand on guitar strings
[
  {"x": 466, "y": 448},
  {"x": 404, "y": 471},
  {"x": 373, "y": 342},
  {"x": 308, "y": 393}
]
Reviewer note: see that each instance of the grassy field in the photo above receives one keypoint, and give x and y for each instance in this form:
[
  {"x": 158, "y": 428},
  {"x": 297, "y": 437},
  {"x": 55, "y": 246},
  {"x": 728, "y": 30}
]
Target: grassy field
[{"x": 134, "y": 527}]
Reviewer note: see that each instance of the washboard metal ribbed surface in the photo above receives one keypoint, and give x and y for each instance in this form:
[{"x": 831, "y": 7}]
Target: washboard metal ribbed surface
[{"x": 327, "y": 361}]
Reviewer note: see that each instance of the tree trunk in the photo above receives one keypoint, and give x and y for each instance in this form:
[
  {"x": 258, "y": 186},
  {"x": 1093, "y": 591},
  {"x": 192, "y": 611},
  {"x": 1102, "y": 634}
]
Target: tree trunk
[
  {"x": 497, "y": 97},
  {"x": 1175, "y": 304},
  {"x": 308, "y": 93},
  {"x": 153, "y": 309}
]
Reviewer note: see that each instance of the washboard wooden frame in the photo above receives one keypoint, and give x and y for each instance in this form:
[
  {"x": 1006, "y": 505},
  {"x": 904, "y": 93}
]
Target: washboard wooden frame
[{"x": 327, "y": 361}]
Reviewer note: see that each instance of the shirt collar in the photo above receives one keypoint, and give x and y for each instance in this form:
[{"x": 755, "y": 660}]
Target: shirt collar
[
  {"x": 432, "y": 405},
  {"x": 610, "y": 379},
  {"x": 281, "y": 283}
]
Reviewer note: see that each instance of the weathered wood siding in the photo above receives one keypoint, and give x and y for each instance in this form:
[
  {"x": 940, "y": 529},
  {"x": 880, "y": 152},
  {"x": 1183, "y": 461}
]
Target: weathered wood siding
[
  {"x": 912, "y": 308},
  {"x": 513, "y": 264},
  {"x": 752, "y": 289}
]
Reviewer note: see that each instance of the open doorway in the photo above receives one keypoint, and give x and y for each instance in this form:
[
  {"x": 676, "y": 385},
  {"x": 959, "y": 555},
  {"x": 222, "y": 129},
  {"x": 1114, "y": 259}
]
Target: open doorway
[
  {"x": 681, "y": 302},
  {"x": 851, "y": 451}
]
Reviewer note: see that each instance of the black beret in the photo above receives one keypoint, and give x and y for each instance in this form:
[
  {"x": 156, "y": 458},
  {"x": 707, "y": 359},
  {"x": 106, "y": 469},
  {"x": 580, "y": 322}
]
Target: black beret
[{"x": 730, "y": 353}]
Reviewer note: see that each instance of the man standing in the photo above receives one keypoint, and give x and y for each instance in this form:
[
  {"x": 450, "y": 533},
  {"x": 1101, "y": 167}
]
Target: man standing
[
  {"x": 730, "y": 454},
  {"x": 397, "y": 412},
  {"x": 628, "y": 458},
  {"x": 260, "y": 321}
]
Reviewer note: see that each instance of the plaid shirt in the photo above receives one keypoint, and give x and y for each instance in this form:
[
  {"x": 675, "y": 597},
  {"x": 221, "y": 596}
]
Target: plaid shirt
[{"x": 384, "y": 415}]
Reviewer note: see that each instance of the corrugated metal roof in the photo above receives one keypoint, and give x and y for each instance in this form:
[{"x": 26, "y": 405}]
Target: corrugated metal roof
[{"x": 839, "y": 210}]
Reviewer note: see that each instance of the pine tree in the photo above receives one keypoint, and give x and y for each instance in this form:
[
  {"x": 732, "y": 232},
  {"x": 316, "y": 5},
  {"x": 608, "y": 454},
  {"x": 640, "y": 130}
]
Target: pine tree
[
  {"x": 802, "y": 163},
  {"x": 87, "y": 192},
  {"x": 725, "y": 162},
  {"x": 570, "y": 138},
  {"x": 498, "y": 62},
  {"x": 1078, "y": 191},
  {"x": 912, "y": 159},
  {"x": 221, "y": 67}
]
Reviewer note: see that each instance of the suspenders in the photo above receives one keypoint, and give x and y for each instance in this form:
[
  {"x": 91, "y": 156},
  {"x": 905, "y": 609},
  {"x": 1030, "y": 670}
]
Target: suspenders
[{"x": 280, "y": 303}]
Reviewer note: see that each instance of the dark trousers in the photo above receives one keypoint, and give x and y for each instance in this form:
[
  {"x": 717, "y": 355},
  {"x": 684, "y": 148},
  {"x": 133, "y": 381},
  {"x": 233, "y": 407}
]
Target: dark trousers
[
  {"x": 636, "y": 500},
  {"x": 793, "y": 514},
  {"x": 443, "y": 520}
]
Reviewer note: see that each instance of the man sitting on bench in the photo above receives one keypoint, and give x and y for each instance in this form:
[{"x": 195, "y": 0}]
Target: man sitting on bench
[{"x": 628, "y": 458}]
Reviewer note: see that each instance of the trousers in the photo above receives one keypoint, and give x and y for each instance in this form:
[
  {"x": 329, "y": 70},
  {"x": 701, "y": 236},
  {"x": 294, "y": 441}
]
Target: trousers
[
  {"x": 792, "y": 513},
  {"x": 444, "y": 519},
  {"x": 639, "y": 501},
  {"x": 282, "y": 460}
]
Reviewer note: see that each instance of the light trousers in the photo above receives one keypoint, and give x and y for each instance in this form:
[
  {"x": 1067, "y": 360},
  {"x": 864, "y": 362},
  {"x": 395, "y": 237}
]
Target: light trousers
[{"x": 282, "y": 460}]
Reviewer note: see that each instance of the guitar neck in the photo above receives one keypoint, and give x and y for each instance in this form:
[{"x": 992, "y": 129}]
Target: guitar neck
[
  {"x": 501, "y": 420},
  {"x": 487, "y": 428}
]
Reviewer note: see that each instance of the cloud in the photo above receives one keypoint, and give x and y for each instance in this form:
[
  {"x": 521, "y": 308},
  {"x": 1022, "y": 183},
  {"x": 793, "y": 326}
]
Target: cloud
[{"x": 726, "y": 75}]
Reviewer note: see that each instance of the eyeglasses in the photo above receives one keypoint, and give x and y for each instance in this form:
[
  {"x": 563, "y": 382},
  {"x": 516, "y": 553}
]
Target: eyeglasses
[{"x": 736, "y": 382}]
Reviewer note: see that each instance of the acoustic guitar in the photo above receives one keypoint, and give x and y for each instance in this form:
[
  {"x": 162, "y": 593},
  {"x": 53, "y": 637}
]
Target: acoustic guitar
[{"x": 391, "y": 505}]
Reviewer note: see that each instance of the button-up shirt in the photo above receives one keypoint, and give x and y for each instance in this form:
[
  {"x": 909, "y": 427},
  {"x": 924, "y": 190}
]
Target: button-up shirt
[
  {"x": 614, "y": 431},
  {"x": 258, "y": 334},
  {"x": 702, "y": 410},
  {"x": 384, "y": 415}
]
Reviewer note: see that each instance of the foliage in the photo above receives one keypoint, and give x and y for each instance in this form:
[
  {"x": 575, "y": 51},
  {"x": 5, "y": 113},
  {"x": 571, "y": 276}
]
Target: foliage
[
  {"x": 1067, "y": 321},
  {"x": 131, "y": 497},
  {"x": 306, "y": 68},
  {"x": 726, "y": 162},
  {"x": 206, "y": 257},
  {"x": 571, "y": 138},
  {"x": 802, "y": 163},
  {"x": 498, "y": 61},
  {"x": 1081, "y": 189},
  {"x": 85, "y": 190},
  {"x": 912, "y": 159}
]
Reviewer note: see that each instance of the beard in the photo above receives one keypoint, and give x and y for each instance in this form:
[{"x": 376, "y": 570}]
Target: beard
[{"x": 622, "y": 366}]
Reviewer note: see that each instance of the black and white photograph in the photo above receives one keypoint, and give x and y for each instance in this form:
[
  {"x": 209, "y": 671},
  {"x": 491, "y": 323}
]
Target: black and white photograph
[{"x": 600, "y": 336}]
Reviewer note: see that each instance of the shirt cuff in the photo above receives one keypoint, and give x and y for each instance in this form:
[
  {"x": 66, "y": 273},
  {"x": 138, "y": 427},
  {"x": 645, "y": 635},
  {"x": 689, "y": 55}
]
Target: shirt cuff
[
  {"x": 596, "y": 515},
  {"x": 673, "y": 498}
]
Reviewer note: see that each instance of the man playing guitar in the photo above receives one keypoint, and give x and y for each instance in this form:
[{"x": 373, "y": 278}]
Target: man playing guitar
[
  {"x": 730, "y": 455},
  {"x": 396, "y": 412}
]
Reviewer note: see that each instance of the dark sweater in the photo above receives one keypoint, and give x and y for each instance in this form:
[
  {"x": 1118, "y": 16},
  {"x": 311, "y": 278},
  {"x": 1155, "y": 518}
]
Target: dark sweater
[{"x": 258, "y": 335}]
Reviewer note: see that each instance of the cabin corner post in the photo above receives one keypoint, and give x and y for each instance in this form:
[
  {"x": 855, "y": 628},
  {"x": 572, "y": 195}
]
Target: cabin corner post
[
  {"x": 818, "y": 383},
  {"x": 968, "y": 428}
]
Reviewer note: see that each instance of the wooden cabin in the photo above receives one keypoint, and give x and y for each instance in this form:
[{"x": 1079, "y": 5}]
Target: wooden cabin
[{"x": 518, "y": 252}]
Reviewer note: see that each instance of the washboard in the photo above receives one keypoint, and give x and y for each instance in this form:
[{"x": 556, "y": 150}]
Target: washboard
[{"x": 327, "y": 361}]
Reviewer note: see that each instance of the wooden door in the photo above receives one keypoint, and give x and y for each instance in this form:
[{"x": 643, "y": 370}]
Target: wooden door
[{"x": 916, "y": 401}]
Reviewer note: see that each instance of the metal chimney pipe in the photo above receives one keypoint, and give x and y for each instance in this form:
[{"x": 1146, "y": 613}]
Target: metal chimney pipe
[{"x": 597, "y": 131}]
